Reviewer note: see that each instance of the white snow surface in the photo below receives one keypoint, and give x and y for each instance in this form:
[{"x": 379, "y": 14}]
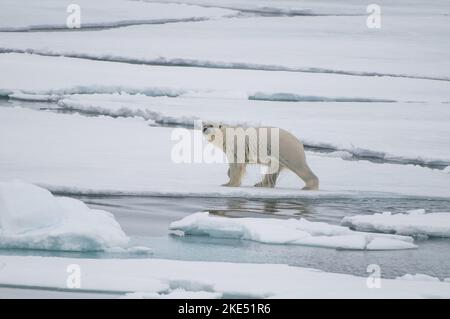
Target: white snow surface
[
  {"x": 304, "y": 7},
  {"x": 323, "y": 44},
  {"x": 161, "y": 276},
  {"x": 68, "y": 76},
  {"x": 23, "y": 15},
  {"x": 32, "y": 218},
  {"x": 411, "y": 223},
  {"x": 102, "y": 155},
  {"x": 290, "y": 231}
]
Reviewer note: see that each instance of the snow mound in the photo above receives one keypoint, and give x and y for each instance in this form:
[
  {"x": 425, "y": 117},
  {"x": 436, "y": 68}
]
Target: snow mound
[
  {"x": 412, "y": 223},
  {"x": 291, "y": 231},
  {"x": 32, "y": 218}
]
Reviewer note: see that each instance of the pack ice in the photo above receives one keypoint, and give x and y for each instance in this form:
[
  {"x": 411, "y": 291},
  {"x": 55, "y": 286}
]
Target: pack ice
[
  {"x": 32, "y": 218},
  {"x": 291, "y": 231}
]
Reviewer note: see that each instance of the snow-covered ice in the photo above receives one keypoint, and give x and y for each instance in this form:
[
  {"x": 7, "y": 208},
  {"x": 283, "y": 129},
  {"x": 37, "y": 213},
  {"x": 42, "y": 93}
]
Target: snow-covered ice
[
  {"x": 47, "y": 15},
  {"x": 411, "y": 223},
  {"x": 291, "y": 231},
  {"x": 32, "y": 218},
  {"x": 321, "y": 7},
  {"x": 102, "y": 155},
  {"x": 299, "y": 44},
  {"x": 68, "y": 76},
  {"x": 162, "y": 276}
]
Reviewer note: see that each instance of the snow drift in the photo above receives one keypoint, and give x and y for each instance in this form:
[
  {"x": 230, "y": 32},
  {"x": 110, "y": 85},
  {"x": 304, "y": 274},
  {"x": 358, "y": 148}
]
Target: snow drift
[
  {"x": 412, "y": 223},
  {"x": 291, "y": 231},
  {"x": 32, "y": 218}
]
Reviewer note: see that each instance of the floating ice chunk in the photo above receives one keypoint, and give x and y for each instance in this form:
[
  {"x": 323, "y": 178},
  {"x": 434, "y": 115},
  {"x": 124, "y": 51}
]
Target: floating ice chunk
[
  {"x": 291, "y": 231},
  {"x": 32, "y": 218},
  {"x": 412, "y": 223}
]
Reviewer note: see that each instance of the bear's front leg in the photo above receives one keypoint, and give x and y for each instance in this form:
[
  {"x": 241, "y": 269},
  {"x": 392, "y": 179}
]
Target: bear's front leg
[{"x": 235, "y": 173}]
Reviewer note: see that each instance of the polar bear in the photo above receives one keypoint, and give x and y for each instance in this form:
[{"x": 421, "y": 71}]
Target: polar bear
[{"x": 271, "y": 146}]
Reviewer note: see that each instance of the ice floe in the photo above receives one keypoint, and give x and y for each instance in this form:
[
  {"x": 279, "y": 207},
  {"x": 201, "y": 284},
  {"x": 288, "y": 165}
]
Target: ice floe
[
  {"x": 412, "y": 223},
  {"x": 291, "y": 231},
  {"x": 32, "y": 218}
]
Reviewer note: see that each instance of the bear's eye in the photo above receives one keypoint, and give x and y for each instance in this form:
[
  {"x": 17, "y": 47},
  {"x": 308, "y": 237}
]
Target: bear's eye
[{"x": 220, "y": 126}]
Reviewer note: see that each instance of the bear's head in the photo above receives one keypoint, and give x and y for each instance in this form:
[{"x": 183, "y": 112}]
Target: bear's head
[{"x": 210, "y": 130}]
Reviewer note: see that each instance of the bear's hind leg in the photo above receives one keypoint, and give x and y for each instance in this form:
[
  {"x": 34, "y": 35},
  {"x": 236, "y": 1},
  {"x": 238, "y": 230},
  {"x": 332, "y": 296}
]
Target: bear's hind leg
[
  {"x": 235, "y": 173},
  {"x": 311, "y": 180},
  {"x": 302, "y": 170},
  {"x": 269, "y": 180}
]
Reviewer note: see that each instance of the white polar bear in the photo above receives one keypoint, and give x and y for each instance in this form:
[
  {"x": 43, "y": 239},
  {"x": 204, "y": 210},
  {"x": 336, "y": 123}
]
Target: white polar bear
[{"x": 278, "y": 151}]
